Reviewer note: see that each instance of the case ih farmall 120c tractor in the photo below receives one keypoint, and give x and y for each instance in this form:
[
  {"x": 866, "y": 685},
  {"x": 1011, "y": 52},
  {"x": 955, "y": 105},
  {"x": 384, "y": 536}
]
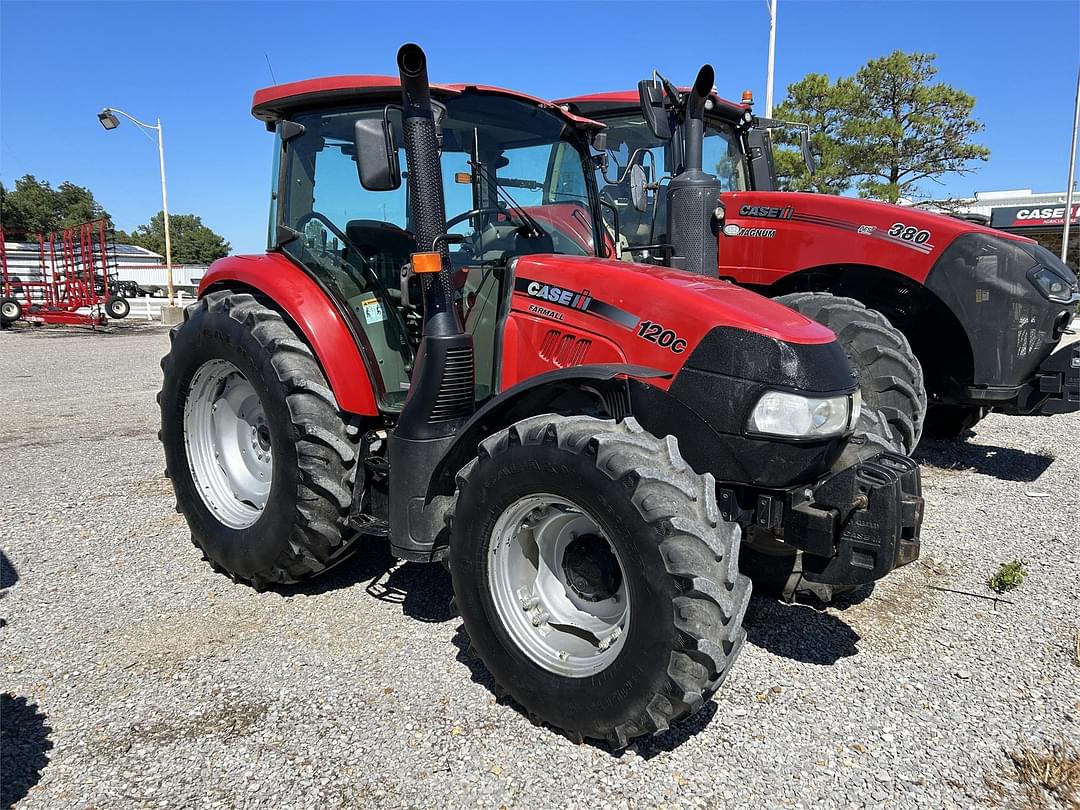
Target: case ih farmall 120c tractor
[
  {"x": 944, "y": 319},
  {"x": 582, "y": 440}
]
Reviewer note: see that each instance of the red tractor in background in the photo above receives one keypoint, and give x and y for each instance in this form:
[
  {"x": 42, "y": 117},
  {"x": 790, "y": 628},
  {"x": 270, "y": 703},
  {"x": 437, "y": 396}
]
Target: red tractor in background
[
  {"x": 583, "y": 441},
  {"x": 944, "y": 319}
]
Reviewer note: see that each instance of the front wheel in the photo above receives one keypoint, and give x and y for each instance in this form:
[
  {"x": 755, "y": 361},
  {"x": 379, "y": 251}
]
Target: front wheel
[
  {"x": 259, "y": 456},
  {"x": 595, "y": 576}
]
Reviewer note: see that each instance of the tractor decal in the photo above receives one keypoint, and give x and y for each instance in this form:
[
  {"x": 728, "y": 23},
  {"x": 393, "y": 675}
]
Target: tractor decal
[
  {"x": 574, "y": 299},
  {"x": 898, "y": 233}
]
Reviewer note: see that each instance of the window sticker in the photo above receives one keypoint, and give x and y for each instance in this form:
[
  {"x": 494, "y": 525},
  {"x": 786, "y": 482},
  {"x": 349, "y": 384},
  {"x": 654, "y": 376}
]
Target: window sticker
[{"x": 373, "y": 310}]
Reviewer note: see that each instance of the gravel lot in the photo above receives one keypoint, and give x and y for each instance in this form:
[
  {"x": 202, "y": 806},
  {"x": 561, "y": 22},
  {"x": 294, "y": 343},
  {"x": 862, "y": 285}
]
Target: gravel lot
[{"x": 150, "y": 680}]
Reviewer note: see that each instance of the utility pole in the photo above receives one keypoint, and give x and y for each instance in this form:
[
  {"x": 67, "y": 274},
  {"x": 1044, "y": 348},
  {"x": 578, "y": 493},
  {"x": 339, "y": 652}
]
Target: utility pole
[
  {"x": 772, "y": 57},
  {"x": 1072, "y": 168}
]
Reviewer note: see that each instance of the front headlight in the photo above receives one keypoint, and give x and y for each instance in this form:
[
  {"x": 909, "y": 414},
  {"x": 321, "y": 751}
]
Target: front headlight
[
  {"x": 781, "y": 413},
  {"x": 1053, "y": 285}
]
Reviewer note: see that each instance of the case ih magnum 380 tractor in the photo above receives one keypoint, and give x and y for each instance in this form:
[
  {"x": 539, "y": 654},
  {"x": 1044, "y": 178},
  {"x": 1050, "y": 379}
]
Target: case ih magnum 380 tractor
[
  {"x": 944, "y": 319},
  {"x": 582, "y": 440}
]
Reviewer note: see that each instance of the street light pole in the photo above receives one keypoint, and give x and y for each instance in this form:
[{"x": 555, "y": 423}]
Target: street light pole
[
  {"x": 772, "y": 57},
  {"x": 165, "y": 214},
  {"x": 108, "y": 119},
  {"x": 1072, "y": 169}
]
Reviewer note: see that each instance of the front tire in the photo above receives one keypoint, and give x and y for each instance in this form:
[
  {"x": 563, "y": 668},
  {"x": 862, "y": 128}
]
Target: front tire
[
  {"x": 644, "y": 617},
  {"x": 260, "y": 459},
  {"x": 890, "y": 376}
]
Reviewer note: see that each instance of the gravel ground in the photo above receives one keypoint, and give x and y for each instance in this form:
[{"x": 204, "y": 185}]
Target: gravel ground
[{"x": 143, "y": 678}]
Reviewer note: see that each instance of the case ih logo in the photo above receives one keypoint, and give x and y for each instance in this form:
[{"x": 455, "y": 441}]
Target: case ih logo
[
  {"x": 574, "y": 299},
  {"x": 1031, "y": 216},
  {"x": 765, "y": 212}
]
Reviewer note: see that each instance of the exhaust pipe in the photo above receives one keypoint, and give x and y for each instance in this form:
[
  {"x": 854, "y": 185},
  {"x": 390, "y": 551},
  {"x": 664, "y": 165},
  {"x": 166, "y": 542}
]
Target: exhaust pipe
[
  {"x": 694, "y": 195},
  {"x": 442, "y": 390},
  {"x": 426, "y": 188}
]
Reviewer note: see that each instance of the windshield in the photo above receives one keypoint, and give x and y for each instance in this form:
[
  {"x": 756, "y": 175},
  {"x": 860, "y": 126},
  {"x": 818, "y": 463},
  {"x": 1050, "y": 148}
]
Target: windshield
[
  {"x": 630, "y": 139},
  {"x": 514, "y": 181}
]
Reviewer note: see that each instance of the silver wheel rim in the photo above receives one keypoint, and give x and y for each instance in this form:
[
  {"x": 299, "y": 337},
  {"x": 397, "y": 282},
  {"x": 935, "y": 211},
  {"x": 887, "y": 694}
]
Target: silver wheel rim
[
  {"x": 551, "y": 571},
  {"x": 228, "y": 444},
  {"x": 10, "y": 310}
]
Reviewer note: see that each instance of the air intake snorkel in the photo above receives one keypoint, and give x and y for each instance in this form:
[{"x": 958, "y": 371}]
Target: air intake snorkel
[
  {"x": 693, "y": 194},
  {"x": 441, "y": 394}
]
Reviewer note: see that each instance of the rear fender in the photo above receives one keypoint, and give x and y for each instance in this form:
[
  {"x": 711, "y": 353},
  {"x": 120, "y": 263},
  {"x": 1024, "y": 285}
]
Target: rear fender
[{"x": 299, "y": 297}]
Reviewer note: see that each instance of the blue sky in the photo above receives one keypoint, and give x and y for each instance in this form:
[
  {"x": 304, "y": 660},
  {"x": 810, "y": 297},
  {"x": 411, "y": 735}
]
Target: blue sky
[{"x": 196, "y": 65}]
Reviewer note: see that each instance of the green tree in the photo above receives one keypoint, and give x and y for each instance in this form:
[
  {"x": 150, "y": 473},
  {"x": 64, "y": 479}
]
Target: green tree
[
  {"x": 886, "y": 130},
  {"x": 192, "y": 242},
  {"x": 823, "y": 105},
  {"x": 34, "y": 207}
]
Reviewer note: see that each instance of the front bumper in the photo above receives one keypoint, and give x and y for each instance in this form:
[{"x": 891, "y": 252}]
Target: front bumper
[
  {"x": 855, "y": 526},
  {"x": 1055, "y": 388}
]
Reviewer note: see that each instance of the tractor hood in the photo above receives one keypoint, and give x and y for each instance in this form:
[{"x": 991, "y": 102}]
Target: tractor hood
[{"x": 660, "y": 318}]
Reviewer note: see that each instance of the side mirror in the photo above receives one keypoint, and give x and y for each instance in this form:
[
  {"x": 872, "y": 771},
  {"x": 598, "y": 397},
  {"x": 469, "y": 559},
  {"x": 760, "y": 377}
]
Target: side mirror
[
  {"x": 638, "y": 194},
  {"x": 376, "y": 154},
  {"x": 656, "y": 115},
  {"x": 808, "y": 158}
]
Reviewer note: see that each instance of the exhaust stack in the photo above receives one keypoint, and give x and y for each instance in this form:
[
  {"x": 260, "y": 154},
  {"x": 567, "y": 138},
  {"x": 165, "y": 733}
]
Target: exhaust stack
[
  {"x": 441, "y": 395},
  {"x": 694, "y": 194}
]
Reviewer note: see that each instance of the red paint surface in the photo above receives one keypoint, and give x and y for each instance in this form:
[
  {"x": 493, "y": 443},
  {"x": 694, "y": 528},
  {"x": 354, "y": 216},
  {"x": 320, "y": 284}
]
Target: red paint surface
[{"x": 689, "y": 305}]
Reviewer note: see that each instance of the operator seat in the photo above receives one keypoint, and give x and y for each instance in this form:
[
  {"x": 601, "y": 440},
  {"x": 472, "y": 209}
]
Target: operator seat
[{"x": 385, "y": 246}]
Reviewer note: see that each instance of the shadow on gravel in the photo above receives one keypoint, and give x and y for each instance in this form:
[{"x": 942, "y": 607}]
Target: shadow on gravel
[
  {"x": 24, "y": 739},
  {"x": 424, "y": 590},
  {"x": 1004, "y": 463},
  {"x": 646, "y": 748},
  {"x": 801, "y": 632}
]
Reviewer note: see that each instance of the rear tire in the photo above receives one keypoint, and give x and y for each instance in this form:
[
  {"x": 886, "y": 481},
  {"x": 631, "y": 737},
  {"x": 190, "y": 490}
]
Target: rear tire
[
  {"x": 10, "y": 311},
  {"x": 890, "y": 376},
  {"x": 117, "y": 307},
  {"x": 297, "y": 526},
  {"x": 952, "y": 421},
  {"x": 677, "y": 561}
]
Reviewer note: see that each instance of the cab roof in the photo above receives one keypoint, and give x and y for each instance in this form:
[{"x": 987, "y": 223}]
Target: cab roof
[
  {"x": 271, "y": 103},
  {"x": 618, "y": 100}
]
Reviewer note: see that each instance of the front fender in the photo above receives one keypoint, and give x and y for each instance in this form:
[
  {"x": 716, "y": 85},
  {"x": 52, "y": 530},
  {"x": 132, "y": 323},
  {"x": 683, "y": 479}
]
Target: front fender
[
  {"x": 540, "y": 394},
  {"x": 299, "y": 297}
]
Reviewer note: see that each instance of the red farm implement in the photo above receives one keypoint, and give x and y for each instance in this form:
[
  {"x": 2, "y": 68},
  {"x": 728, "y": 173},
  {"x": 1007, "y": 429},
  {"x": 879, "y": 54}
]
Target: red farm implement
[{"x": 73, "y": 282}]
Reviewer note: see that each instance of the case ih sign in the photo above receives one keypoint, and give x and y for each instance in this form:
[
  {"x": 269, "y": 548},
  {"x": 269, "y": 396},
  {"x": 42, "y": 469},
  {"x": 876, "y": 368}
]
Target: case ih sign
[{"x": 1028, "y": 216}]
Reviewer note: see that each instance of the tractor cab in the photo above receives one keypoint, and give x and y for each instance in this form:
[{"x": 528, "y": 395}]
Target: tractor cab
[{"x": 517, "y": 182}]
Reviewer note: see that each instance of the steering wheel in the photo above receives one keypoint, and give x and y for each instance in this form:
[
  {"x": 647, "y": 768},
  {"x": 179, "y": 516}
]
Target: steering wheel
[{"x": 456, "y": 220}]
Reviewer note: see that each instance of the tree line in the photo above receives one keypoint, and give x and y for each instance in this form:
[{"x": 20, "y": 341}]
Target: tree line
[{"x": 34, "y": 207}]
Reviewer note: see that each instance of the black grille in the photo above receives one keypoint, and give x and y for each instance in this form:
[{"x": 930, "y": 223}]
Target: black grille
[{"x": 455, "y": 399}]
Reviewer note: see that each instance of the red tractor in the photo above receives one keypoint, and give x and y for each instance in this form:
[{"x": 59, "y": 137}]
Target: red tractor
[
  {"x": 944, "y": 319},
  {"x": 583, "y": 441}
]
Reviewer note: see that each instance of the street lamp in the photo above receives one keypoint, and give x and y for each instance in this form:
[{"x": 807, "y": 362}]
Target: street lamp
[{"x": 108, "y": 119}]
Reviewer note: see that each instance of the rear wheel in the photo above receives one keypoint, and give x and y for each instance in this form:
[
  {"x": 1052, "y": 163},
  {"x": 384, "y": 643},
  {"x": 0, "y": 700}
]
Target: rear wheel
[
  {"x": 595, "y": 576},
  {"x": 10, "y": 311},
  {"x": 890, "y": 376},
  {"x": 259, "y": 456}
]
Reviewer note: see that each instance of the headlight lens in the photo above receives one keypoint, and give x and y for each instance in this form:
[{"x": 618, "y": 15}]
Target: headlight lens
[
  {"x": 781, "y": 413},
  {"x": 1053, "y": 285}
]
